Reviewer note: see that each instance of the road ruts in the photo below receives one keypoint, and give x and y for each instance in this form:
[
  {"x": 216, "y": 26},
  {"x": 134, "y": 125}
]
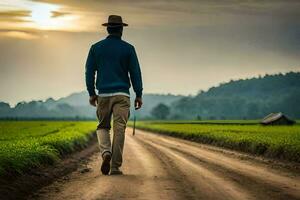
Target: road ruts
[{"x": 162, "y": 167}]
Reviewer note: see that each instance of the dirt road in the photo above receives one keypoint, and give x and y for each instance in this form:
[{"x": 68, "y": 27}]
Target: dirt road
[{"x": 161, "y": 167}]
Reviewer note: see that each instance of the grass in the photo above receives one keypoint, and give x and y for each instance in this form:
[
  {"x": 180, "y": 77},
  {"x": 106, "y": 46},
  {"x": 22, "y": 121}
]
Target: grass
[
  {"x": 30, "y": 144},
  {"x": 282, "y": 142},
  {"x": 237, "y": 122}
]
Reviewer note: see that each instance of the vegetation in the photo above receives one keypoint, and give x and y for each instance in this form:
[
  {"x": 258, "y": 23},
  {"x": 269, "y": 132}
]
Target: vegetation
[
  {"x": 281, "y": 142},
  {"x": 24, "y": 145},
  {"x": 244, "y": 99},
  {"x": 251, "y": 98},
  {"x": 161, "y": 111},
  {"x": 216, "y": 122}
]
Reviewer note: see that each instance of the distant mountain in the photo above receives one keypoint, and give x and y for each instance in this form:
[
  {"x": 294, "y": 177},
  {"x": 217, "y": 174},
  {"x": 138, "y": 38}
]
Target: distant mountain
[
  {"x": 75, "y": 106},
  {"x": 240, "y": 99},
  {"x": 40, "y": 109},
  {"x": 75, "y": 99},
  {"x": 244, "y": 99}
]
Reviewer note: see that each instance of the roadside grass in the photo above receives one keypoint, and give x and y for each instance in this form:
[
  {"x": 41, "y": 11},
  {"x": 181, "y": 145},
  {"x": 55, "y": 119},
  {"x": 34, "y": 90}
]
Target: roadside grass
[
  {"x": 28, "y": 144},
  {"x": 237, "y": 122},
  {"x": 281, "y": 142}
]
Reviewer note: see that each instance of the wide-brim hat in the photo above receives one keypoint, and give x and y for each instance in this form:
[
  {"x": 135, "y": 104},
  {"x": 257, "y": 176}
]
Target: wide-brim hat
[{"x": 114, "y": 21}]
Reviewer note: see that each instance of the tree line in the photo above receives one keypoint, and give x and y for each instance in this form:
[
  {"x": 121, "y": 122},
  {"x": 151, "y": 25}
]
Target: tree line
[{"x": 240, "y": 99}]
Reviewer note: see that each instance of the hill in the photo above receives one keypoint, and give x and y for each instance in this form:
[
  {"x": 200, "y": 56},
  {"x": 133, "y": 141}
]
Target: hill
[
  {"x": 244, "y": 99},
  {"x": 239, "y": 99},
  {"x": 74, "y": 106}
]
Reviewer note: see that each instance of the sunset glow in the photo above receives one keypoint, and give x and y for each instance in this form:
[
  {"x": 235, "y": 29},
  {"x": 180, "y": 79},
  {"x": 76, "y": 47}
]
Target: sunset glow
[
  {"x": 41, "y": 15},
  {"x": 36, "y": 15},
  {"x": 198, "y": 44}
]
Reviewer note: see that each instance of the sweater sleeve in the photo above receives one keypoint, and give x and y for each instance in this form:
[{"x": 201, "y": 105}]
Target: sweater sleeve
[
  {"x": 90, "y": 71},
  {"x": 135, "y": 73}
]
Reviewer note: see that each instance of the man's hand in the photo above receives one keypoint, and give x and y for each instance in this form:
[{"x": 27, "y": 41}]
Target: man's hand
[
  {"x": 93, "y": 100},
  {"x": 138, "y": 103}
]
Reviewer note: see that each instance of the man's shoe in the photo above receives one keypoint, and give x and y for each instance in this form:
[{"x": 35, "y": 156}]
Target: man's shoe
[
  {"x": 105, "y": 167},
  {"x": 115, "y": 171}
]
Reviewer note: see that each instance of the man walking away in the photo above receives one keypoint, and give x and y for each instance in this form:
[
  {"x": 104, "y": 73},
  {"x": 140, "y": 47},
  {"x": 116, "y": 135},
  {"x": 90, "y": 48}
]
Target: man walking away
[{"x": 113, "y": 61}]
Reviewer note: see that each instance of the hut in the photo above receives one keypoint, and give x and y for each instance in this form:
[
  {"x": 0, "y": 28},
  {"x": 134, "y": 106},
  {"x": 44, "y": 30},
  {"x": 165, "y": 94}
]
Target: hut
[{"x": 277, "y": 119}]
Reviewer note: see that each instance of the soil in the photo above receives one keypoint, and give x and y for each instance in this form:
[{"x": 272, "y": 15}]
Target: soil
[{"x": 163, "y": 167}]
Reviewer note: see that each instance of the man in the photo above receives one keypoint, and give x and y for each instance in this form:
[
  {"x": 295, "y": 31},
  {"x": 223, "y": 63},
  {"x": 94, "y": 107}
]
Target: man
[{"x": 113, "y": 60}]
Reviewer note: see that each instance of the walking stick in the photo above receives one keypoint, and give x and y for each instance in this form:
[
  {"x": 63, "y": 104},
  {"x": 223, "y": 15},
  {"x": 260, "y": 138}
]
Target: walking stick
[{"x": 134, "y": 119}]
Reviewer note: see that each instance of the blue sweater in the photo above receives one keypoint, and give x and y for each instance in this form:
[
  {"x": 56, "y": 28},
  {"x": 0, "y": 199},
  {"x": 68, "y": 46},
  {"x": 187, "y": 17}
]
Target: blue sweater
[{"x": 113, "y": 60}]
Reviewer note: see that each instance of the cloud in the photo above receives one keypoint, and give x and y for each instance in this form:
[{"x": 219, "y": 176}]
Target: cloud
[
  {"x": 82, "y": 16},
  {"x": 270, "y": 24},
  {"x": 14, "y": 15},
  {"x": 19, "y": 34},
  {"x": 202, "y": 6},
  {"x": 59, "y": 14},
  {"x": 143, "y": 13}
]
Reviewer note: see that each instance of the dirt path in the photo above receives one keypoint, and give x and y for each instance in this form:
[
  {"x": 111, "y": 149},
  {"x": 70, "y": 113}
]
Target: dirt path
[{"x": 161, "y": 167}]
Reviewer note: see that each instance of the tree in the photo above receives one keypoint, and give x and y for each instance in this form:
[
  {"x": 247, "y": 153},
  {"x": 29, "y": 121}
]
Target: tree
[
  {"x": 198, "y": 117},
  {"x": 161, "y": 111}
]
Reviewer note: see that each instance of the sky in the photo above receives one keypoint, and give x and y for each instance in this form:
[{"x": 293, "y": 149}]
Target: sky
[{"x": 183, "y": 46}]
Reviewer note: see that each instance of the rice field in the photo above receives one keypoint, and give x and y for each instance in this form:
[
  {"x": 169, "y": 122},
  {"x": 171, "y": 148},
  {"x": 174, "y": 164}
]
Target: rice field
[
  {"x": 282, "y": 142},
  {"x": 26, "y": 145},
  {"x": 29, "y": 144}
]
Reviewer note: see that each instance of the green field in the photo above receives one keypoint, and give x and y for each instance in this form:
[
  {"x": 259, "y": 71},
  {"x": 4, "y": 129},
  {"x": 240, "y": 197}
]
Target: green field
[
  {"x": 28, "y": 144},
  {"x": 281, "y": 142}
]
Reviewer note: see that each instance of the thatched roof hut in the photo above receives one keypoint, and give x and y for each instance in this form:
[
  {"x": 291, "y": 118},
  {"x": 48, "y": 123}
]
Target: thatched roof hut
[{"x": 277, "y": 119}]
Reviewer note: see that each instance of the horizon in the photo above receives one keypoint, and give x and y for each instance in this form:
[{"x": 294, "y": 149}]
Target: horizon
[
  {"x": 182, "y": 46},
  {"x": 150, "y": 93}
]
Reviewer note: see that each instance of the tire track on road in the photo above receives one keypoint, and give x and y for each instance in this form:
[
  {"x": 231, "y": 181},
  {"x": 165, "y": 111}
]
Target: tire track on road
[
  {"x": 160, "y": 180},
  {"x": 260, "y": 181},
  {"x": 162, "y": 167},
  {"x": 206, "y": 184}
]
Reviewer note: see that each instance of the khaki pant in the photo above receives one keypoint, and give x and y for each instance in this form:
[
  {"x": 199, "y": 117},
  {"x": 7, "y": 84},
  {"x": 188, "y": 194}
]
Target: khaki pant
[{"x": 118, "y": 108}]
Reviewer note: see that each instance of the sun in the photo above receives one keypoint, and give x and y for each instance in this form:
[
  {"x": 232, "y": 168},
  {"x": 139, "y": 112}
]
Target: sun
[{"x": 41, "y": 15}]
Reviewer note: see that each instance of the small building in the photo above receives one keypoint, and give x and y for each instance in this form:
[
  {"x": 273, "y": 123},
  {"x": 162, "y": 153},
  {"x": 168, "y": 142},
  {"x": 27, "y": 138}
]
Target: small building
[{"x": 277, "y": 119}]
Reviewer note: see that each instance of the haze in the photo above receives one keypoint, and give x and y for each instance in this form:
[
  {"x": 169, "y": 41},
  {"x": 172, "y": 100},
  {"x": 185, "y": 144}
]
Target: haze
[{"x": 183, "y": 46}]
